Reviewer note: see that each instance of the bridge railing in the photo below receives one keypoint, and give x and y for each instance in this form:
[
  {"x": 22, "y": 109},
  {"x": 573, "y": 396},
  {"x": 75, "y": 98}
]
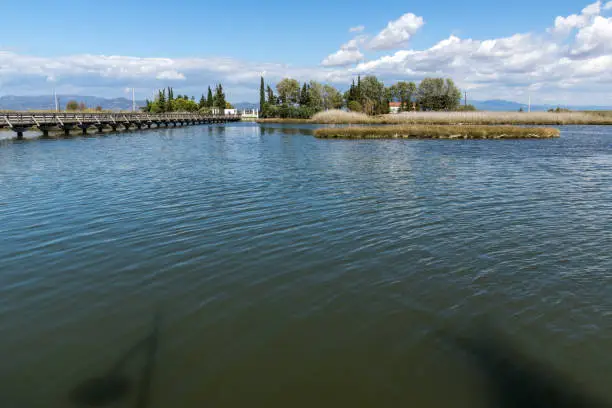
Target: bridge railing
[{"x": 33, "y": 118}]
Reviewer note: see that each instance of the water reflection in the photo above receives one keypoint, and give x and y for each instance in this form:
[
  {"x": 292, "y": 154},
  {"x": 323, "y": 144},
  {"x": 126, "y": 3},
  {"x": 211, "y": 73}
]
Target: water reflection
[{"x": 274, "y": 130}]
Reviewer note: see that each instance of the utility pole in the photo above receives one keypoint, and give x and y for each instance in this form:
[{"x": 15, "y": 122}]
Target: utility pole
[{"x": 529, "y": 105}]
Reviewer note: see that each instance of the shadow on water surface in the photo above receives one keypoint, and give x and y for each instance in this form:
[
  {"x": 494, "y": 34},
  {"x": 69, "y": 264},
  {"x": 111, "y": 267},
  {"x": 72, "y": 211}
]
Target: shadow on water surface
[
  {"x": 512, "y": 378},
  {"x": 115, "y": 385}
]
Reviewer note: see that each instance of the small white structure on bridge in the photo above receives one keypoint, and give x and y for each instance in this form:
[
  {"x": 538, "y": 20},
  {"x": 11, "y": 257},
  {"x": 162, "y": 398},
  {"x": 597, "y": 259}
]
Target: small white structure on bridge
[
  {"x": 244, "y": 114},
  {"x": 249, "y": 114}
]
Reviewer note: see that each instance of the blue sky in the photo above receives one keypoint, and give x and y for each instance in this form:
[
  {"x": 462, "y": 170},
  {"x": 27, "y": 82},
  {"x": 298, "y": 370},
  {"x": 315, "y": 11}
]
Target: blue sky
[{"x": 189, "y": 44}]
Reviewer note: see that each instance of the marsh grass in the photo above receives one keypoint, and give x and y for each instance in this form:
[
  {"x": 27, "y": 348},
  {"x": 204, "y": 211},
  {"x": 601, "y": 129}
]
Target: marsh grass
[
  {"x": 471, "y": 118},
  {"x": 437, "y": 132},
  {"x": 283, "y": 120}
]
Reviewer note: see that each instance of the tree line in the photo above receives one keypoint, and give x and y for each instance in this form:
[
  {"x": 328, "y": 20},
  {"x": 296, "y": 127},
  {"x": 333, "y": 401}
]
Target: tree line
[
  {"x": 293, "y": 100},
  {"x": 165, "y": 101},
  {"x": 368, "y": 95}
]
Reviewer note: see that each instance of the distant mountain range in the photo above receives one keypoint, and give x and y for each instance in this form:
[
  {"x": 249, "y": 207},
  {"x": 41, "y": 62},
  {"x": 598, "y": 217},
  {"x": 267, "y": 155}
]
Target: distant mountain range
[
  {"x": 502, "y": 105},
  {"x": 46, "y": 102},
  {"x": 246, "y": 105}
]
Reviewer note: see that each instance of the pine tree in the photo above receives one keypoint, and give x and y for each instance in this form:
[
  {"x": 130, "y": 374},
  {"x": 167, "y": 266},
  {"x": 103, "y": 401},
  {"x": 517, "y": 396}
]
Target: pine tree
[
  {"x": 262, "y": 95},
  {"x": 358, "y": 89},
  {"x": 209, "y": 99},
  {"x": 202, "y": 103}
]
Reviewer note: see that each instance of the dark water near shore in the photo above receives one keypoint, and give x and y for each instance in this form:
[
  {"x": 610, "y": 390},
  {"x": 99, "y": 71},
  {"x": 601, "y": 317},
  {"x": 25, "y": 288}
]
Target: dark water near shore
[{"x": 291, "y": 271}]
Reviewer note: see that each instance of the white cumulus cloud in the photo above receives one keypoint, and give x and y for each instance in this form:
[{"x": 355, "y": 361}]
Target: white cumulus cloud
[
  {"x": 564, "y": 25},
  {"x": 347, "y": 54},
  {"x": 397, "y": 33},
  {"x": 172, "y": 74},
  {"x": 594, "y": 38}
]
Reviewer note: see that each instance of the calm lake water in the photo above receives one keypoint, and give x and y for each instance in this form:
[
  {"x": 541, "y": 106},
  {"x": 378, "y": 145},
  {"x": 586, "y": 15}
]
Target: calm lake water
[{"x": 289, "y": 271}]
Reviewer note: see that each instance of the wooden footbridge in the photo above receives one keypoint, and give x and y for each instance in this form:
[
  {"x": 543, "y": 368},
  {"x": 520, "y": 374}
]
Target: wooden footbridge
[{"x": 45, "y": 122}]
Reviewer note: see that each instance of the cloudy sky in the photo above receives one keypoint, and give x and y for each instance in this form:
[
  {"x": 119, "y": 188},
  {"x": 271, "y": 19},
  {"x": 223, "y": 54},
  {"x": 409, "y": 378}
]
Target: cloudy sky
[{"x": 558, "y": 52}]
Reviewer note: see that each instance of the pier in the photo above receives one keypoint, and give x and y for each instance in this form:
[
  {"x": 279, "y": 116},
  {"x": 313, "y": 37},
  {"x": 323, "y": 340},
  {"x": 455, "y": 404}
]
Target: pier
[{"x": 45, "y": 122}]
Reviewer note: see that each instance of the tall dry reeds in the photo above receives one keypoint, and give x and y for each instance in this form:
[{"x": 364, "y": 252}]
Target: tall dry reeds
[{"x": 472, "y": 118}]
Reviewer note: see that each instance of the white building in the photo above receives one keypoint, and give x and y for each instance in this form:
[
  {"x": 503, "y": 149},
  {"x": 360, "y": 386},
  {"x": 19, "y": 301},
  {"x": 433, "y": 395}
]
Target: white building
[
  {"x": 249, "y": 114},
  {"x": 394, "y": 107},
  {"x": 215, "y": 111}
]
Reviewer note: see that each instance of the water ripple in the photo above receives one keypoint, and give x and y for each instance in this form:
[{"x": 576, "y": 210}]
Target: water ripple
[{"x": 267, "y": 248}]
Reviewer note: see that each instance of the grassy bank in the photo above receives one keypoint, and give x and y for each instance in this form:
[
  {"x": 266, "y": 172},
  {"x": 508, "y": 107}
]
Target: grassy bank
[
  {"x": 457, "y": 118},
  {"x": 437, "y": 132}
]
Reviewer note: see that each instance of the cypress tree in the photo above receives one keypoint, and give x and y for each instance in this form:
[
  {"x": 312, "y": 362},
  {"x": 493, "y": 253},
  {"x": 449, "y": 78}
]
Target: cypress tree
[
  {"x": 220, "y": 99},
  {"x": 304, "y": 95},
  {"x": 262, "y": 95},
  {"x": 202, "y": 103},
  {"x": 162, "y": 100},
  {"x": 271, "y": 98},
  {"x": 169, "y": 99},
  {"x": 209, "y": 99}
]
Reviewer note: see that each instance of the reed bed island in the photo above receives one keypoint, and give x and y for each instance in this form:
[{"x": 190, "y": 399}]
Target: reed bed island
[
  {"x": 456, "y": 118},
  {"x": 436, "y": 132}
]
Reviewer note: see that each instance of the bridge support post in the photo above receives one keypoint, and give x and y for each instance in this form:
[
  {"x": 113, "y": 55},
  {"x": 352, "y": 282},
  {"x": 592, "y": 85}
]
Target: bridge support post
[
  {"x": 100, "y": 128},
  {"x": 67, "y": 128},
  {"x": 84, "y": 128},
  {"x": 19, "y": 131},
  {"x": 45, "y": 130}
]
